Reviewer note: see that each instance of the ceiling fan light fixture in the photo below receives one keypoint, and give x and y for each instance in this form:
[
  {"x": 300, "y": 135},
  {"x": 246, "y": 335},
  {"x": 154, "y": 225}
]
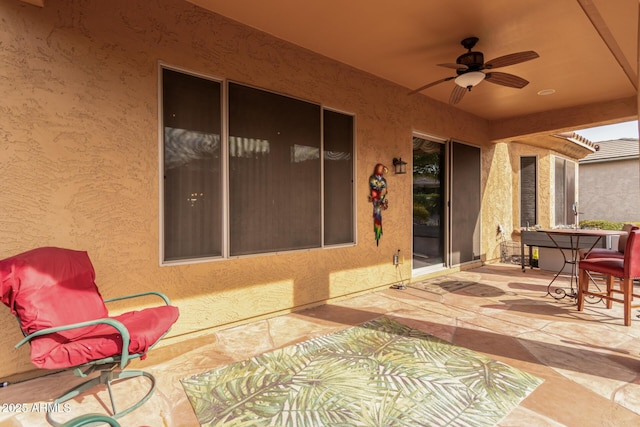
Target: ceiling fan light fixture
[
  {"x": 545, "y": 92},
  {"x": 470, "y": 79}
]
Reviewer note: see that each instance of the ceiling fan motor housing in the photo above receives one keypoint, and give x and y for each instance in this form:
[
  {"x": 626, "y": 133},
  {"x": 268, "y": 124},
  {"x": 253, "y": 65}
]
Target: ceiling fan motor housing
[{"x": 472, "y": 61}]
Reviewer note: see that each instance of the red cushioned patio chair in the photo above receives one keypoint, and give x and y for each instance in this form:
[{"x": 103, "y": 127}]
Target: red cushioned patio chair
[
  {"x": 63, "y": 317},
  {"x": 626, "y": 269}
]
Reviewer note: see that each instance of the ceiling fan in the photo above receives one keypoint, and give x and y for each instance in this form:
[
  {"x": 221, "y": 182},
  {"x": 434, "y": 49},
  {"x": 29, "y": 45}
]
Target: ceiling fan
[{"x": 470, "y": 68}]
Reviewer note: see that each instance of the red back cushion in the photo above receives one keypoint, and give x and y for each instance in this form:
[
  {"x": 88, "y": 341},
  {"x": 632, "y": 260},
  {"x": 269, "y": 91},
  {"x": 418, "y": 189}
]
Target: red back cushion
[
  {"x": 632, "y": 255},
  {"x": 622, "y": 240},
  {"x": 50, "y": 286}
]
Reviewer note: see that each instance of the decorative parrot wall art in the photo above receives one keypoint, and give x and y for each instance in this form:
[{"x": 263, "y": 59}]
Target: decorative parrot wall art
[{"x": 378, "y": 196}]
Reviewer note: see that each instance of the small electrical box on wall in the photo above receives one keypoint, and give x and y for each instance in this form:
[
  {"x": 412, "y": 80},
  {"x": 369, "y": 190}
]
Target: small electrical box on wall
[{"x": 396, "y": 258}]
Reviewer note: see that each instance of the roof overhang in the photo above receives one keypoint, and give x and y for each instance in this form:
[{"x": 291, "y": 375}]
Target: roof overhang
[{"x": 569, "y": 144}]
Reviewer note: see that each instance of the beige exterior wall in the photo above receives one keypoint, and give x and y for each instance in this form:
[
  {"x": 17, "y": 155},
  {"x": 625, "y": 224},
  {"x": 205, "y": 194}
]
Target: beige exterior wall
[
  {"x": 609, "y": 191},
  {"x": 80, "y": 157},
  {"x": 545, "y": 185}
]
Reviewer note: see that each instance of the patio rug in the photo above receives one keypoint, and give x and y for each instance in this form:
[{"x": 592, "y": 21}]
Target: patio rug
[{"x": 382, "y": 373}]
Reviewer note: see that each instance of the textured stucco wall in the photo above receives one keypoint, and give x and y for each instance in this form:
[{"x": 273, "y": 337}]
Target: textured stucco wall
[
  {"x": 501, "y": 195},
  {"x": 545, "y": 183},
  {"x": 79, "y": 154},
  {"x": 496, "y": 197},
  {"x": 609, "y": 191}
]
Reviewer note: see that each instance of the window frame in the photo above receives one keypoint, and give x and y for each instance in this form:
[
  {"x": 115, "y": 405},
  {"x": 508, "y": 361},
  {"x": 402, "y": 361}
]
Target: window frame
[
  {"x": 224, "y": 176},
  {"x": 354, "y": 206},
  {"x": 568, "y": 184},
  {"x": 535, "y": 186}
]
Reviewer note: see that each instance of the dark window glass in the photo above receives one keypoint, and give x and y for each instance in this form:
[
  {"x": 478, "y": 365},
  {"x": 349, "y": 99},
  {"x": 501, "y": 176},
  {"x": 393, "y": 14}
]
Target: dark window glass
[
  {"x": 274, "y": 172},
  {"x": 338, "y": 178},
  {"x": 192, "y": 166},
  {"x": 528, "y": 191}
]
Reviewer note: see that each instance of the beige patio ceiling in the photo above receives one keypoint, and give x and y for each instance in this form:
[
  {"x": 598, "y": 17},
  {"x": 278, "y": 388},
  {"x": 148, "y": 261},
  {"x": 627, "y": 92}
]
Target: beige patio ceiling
[{"x": 587, "y": 48}]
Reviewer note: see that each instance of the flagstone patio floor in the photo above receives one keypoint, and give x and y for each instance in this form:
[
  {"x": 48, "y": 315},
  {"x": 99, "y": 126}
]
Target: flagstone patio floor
[{"x": 590, "y": 361}]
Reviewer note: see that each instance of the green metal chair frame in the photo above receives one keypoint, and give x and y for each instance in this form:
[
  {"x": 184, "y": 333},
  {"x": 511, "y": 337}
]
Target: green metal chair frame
[
  {"x": 107, "y": 376},
  {"x": 91, "y": 419}
]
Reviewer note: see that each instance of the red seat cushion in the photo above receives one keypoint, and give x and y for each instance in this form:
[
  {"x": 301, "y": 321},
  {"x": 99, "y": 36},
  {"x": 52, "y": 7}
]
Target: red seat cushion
[
  {"x": 604, "y": 253},
  {"x": 145, "y": 328},
  {"x": 608, "y": 266}
]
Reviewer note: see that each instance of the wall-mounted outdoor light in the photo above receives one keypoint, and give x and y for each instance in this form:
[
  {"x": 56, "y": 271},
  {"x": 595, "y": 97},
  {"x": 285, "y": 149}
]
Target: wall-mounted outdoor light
[{"x": 399, "y": 166}]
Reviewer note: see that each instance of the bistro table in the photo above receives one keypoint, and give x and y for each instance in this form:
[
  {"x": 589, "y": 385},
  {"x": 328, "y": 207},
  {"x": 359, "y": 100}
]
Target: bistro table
[{"x": 559, "y": 237}]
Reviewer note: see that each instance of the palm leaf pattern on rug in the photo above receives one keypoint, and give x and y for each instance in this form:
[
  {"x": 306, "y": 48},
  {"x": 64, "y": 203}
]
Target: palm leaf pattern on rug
[{"x": 382, "y": 373}]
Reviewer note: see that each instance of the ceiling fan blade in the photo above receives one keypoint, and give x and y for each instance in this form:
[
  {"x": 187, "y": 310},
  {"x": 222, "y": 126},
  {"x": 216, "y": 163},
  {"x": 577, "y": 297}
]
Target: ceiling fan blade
[
  {"x": 421, "y": 88},
  {"x": 453, "y": 65},
  {"x": 506, "y": 79},
  {"x": 511, "y": 59},
  {"x": 457, "y": 94}
]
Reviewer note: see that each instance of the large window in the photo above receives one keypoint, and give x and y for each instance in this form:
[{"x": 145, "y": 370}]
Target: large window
[
  {"x": 565, "y": 191},
  {"x": 288, "y": 169}
]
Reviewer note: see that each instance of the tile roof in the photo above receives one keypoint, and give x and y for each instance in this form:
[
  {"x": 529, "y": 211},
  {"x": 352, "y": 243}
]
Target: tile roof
[
  {"x": 617, "y": 149},
  {"x": 576, "y": 145}
]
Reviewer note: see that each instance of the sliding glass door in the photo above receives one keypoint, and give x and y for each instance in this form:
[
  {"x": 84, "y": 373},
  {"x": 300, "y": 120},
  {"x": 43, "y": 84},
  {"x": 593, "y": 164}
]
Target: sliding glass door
[
  {"x": 428, "y": 204},
  {"x": 465, "y": 203},
  {"x": 446, "y": 204}
]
